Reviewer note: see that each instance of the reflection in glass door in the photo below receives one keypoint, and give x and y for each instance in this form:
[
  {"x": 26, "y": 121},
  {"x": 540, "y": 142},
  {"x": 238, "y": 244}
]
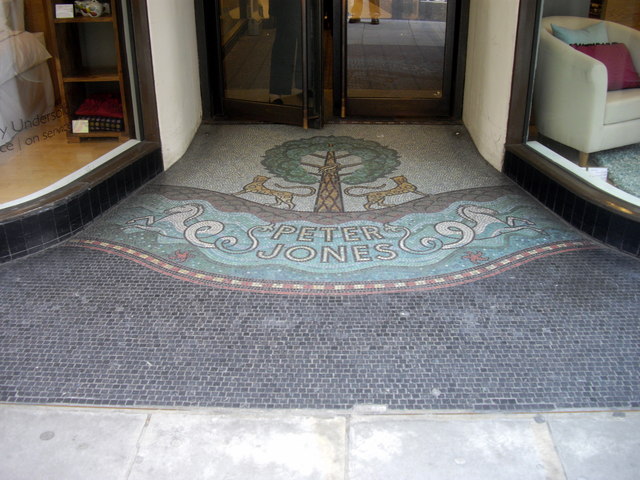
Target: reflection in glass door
[
  {"x": 265, "y": 59},
  {"x": 398, "y": 56}
]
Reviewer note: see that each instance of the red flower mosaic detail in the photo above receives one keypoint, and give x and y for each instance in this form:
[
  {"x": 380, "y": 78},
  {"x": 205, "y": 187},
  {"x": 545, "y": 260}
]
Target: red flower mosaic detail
[
  {"x": 475, "y": 257},
  {"x": 180, "y": 256}
]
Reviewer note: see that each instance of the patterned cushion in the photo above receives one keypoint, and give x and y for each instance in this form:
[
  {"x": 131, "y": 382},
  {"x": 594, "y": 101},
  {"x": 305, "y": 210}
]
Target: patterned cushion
[
  {"x": 104, "y": 124},
  {"x": 616, "y": 57}
]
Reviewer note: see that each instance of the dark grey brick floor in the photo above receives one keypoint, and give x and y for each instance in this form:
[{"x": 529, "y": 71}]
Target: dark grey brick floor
[{"x": 85, "y": 327}]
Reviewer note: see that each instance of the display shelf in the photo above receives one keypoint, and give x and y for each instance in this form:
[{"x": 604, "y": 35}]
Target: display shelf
[
  {"x": 77, "y": 137},
  {"x": 89, "y": 62},
  {"x": 104, "y": 75},
  {"x": 103, "y": 19}
]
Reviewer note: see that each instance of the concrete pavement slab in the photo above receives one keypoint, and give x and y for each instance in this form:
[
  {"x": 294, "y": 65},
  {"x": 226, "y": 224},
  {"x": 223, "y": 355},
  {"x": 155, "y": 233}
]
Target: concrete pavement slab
[
  {"x": 598, "y": 446},
  {"x": 241, "y": 446},
  {"x": 63, "y": 443},
  {"x": 451, "y": 447},
  {"x": 56, "y": 442}
]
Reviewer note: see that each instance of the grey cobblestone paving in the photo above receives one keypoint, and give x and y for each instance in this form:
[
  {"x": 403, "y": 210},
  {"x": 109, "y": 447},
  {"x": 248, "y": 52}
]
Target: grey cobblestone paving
[
  {"x": 79, "y": 326},
  {"x": 85, "y": 327}
]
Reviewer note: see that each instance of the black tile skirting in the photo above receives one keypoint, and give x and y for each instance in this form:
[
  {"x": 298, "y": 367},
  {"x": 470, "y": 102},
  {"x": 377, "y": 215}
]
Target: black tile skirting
[
  {"x": 50, "y": 220},
  {"x": 587, "y": 208}
]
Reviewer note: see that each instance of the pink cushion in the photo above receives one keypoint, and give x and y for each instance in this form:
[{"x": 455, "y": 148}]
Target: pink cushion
[{"x": 617, "y": 59}]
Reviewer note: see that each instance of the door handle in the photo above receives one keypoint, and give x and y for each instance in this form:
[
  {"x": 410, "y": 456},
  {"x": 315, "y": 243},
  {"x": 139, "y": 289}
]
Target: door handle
[
  {"x": 343, "y": 57},
  {"x": 304, "y": 43}
]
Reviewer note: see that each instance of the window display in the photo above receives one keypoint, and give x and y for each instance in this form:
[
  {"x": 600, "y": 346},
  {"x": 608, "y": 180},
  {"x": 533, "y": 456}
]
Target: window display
[
  {"x": 65, "y": 93},
  {"x": 586, "y": 97}
]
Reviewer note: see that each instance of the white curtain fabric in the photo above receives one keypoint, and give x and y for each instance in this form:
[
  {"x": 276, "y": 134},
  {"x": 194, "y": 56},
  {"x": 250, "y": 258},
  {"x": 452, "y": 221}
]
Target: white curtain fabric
[
  {"x": 26, "y": 90},
  {"x": 12, "y": 14}
]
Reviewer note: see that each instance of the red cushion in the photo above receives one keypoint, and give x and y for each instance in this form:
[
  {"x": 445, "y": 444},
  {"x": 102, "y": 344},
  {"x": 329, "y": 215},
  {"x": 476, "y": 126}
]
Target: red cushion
[
  {"x": 617, "y": 59},
  {"x": 101, "y": 105}
]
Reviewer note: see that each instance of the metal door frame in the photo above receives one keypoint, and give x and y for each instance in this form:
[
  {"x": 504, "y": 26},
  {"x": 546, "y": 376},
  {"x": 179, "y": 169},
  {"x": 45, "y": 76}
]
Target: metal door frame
[
  {"x": 212, "y": 81},
  {"x": 449, "y": 105},
  {"x": 211, "y": 55}
]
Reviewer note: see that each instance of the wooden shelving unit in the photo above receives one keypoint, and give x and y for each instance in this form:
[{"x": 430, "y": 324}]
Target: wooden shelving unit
[{"x": 89, "y": 61}]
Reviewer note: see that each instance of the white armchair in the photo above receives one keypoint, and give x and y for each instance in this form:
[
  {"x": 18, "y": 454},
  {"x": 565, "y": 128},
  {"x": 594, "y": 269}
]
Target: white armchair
[{"x": 570, "y": 99}]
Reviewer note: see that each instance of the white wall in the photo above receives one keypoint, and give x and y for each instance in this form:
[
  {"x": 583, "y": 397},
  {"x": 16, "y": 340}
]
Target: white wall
[
  {"x": 490, "y": 55},
  {"x": 175, "y": 68}
]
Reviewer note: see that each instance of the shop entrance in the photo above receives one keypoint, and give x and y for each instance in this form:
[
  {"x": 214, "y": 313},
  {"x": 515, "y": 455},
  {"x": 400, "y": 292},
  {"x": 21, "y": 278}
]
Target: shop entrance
[{"x": 305, "y": 62}]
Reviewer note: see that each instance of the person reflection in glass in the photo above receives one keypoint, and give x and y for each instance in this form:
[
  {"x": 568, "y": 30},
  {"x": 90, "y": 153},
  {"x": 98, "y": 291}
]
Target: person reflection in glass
[
  {"x": 285, "y": 53},
  {"x": 374, "y": 11}
]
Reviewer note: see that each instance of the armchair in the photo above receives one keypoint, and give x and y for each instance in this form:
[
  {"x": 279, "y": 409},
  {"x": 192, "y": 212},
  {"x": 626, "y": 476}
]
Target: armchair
[{"x": 571, "y": 103}]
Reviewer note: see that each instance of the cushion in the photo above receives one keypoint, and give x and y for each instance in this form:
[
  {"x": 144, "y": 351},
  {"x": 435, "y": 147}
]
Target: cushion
[
  {"x": 101, "y": 105},
  {"x": 596, "y": 33},
  {"x": 616, "y": 57},
  {"x": 104, "y": 124}
]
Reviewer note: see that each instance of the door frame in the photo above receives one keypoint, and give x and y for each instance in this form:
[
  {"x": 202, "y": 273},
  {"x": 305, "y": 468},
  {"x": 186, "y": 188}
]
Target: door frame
[
  {"x": 211, "y": 56},
  {"x": 212, "y": 82},
  {"x": 449, "y": 105}
]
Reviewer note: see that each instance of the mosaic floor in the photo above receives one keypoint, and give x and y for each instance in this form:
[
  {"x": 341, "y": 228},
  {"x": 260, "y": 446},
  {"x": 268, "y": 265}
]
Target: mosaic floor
[
  {"x": 331, "y": 213},
  {"x": 130, "y": 313}
]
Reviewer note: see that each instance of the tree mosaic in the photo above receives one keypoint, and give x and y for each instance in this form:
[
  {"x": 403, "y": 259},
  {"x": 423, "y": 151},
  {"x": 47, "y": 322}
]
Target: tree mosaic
[{"x": 330, "y": 162}]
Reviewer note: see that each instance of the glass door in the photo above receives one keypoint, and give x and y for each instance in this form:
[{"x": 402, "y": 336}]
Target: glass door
[
  {"x": 397, "y": 57},
  {"x": 265, "y": 48}
]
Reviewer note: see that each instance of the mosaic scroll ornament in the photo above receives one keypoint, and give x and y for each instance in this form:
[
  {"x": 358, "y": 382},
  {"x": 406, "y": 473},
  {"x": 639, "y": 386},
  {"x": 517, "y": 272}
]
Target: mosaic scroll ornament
[{"x": 465, "y": 240}]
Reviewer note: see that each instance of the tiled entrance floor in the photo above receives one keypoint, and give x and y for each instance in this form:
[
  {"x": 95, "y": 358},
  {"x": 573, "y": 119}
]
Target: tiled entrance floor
[
  {"x": 204, "y": 289},
  {"x": 349, "y": 210}
]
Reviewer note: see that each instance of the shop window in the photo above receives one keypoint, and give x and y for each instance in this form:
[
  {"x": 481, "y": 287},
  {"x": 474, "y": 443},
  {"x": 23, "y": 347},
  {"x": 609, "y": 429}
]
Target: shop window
[
  {"x": 586, "y": 99},
  {"x": 66, "y": 95}
]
